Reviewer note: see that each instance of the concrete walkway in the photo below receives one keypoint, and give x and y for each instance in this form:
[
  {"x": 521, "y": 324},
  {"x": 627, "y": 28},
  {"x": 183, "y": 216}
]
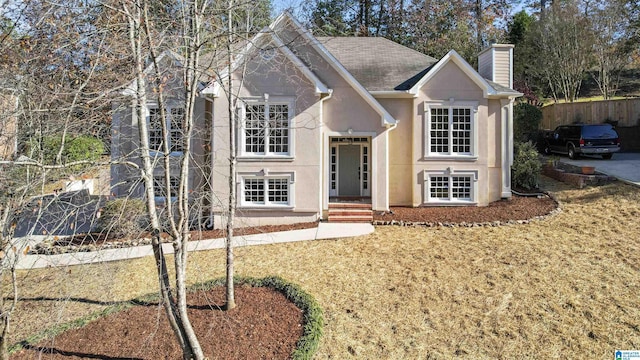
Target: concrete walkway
[
  {"x": 623, "y": 166},
  {"x": 323, "y": 231}
]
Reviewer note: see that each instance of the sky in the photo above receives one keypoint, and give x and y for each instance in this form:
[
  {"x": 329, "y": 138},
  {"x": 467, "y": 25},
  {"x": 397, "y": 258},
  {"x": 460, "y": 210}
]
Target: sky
[
  {"x": 296, "y": 5},
  {"x": 281, "y": 5}
]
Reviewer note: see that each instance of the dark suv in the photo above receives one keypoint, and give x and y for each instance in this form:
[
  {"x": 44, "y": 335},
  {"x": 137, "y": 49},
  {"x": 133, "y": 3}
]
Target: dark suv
[{"x": 573, "y": 140}]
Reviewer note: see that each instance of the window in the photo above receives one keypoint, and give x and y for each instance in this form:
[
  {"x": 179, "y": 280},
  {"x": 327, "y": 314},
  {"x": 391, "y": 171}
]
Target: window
[
  {"x": 175, "y": 123},
  {"x": 450, "y": 129},
  {"x": 266, "y": 129},
  {"x": 445, "y": 186},
  {"x": 266, "y": 191},
  {"x": 160, "y": 190}
]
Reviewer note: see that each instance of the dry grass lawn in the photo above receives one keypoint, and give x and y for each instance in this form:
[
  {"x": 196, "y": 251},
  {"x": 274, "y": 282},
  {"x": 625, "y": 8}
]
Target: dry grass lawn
[{"x": 565, "y": 287}]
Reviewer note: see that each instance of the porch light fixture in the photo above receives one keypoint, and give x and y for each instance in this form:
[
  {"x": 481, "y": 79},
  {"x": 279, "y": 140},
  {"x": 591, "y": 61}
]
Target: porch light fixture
[{"x": 350, "y": 131}]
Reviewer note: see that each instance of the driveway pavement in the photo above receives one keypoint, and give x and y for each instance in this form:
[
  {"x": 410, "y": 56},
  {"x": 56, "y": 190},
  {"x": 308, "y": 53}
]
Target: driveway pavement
[{"x": 624, "y": 166}]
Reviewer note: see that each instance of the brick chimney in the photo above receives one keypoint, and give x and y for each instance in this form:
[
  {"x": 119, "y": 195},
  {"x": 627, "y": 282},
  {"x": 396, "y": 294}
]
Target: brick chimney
[{"x": 495, "y": 63}]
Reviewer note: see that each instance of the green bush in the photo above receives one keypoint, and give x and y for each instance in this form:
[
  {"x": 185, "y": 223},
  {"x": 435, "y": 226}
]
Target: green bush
[
  {"x": 526, "y": 121},
  {"x": 83, "y": 148},
  {"x": 526, "y": 166},
  {"x": 123, "y": 217},
  {"x": 77, "y": 148}
]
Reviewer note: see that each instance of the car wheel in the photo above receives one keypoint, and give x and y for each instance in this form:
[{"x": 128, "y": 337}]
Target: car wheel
[
  {"x": 572, "y": 152},
  {"x": 607, "y": 156}
]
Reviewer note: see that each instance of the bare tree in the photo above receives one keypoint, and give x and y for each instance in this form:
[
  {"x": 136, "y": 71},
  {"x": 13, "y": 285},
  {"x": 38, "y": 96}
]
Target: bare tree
[
  {"x": 141, "y": 38},
  {"x": 230, "y": 292},
  {"x": 612, "y": 29},
  {"x": 561, "y": 40}
]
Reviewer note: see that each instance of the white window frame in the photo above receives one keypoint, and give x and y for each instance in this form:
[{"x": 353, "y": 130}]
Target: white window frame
[
  {"x": 450, "y": 105},
  {"x": 170, "y": 129},
  {"x": 160, "y": 179},
  {"x": 449, "y": 173},
  {"x": 265, "y": 176},
  {"x": 267, "y": 102}
]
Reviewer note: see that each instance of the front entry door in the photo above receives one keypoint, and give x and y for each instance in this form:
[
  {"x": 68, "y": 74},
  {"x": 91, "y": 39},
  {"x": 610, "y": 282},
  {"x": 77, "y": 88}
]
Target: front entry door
[{"x": 349, "y": 170}]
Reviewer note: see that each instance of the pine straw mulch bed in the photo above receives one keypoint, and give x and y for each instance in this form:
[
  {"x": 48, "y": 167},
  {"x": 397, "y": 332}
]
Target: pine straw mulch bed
[
  {"x": 518, "y": 208},
  {"x": 273, "y": 319},
  {"x": 264, "y": 326},
  {"x": 563, "y": 287}
]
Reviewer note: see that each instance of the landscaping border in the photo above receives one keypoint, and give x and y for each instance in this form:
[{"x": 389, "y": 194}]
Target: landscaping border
[
  {"x": 306, "y": 346},
  {"x": 557, "y": 210}
]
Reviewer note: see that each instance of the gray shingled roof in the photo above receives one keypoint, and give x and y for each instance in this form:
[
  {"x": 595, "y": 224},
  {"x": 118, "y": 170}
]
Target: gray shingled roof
[{"x": 377, "y": 63}]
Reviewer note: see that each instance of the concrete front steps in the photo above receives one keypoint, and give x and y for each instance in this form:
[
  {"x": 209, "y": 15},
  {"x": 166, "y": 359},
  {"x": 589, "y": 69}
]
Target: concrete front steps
[{"x": 350, "y": 213}]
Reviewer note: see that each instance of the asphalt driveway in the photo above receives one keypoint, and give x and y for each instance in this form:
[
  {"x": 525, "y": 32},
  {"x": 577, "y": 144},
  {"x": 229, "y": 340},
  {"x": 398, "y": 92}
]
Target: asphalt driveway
[{"x": 624, "y": 166}]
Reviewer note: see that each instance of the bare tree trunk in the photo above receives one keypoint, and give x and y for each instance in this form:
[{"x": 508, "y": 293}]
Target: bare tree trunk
[
  {"x": 230, "y": 291},
  {"x": 181, "y": 239},
  {"x": 135, "y": 36},
  {"x": 479, "y": 24},
  {"x": 8, "y": 264}
]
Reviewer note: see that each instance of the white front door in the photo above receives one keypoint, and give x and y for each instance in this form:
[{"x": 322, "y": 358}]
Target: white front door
[{"x": 349, "y": 170}]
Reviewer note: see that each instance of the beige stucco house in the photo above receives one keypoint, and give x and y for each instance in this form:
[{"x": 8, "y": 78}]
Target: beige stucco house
[{"x": 324, "y": 120}]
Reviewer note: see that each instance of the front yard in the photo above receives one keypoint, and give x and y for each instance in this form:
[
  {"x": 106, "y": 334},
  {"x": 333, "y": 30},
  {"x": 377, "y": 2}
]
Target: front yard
[{"x": 564, "y": 287}]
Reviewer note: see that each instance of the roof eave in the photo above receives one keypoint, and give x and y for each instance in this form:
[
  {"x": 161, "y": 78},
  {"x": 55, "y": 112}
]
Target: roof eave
[
  {"x": 320, "y": 87},
  {"x": 487, "y": 89},
  {"x": 387, "y": 119},
  {"x": 505, "y": 94}
]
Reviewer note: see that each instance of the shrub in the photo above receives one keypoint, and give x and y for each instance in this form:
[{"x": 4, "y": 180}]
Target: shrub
[
  {"x": 83, "y": 148},
  {"x": 526, "y": 166},
  {"x": 123, "y": 217},
  {"x": 526, "y": 121},
  {"x": 78, "y": 148}
]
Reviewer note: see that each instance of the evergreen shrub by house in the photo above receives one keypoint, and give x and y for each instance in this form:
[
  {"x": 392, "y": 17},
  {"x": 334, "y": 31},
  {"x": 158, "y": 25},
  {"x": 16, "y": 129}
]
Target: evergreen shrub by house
[
  {"x": 526, "y": 121},
  {"x": 77, "y": 148},
  {"x": 526, "y": 166}
]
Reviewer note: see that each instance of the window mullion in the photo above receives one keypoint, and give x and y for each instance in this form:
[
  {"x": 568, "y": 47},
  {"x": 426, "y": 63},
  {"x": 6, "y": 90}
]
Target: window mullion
[
  {"x": 450, "y": 132},
  {"x": 266, "y": 129},
  {"x": 168, "y": 124}
]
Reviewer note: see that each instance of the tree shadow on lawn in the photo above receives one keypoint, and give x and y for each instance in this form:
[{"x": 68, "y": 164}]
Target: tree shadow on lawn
[
  {"x": 55, "y": 351},
  {"x": 134, "y": 302}
]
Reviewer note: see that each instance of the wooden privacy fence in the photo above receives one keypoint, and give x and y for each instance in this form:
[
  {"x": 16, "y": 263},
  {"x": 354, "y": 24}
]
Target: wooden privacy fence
[{"x": 626, "y": 112}]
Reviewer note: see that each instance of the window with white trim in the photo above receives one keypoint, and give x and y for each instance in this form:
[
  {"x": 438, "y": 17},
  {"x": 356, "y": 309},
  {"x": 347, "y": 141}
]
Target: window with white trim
[
  {"x": 267, "y": 191},
  {"x": 160, "y": 189},
  {"x": 445, "y": 186},
  {"x": 174, "y": 123},
  {"x": 450, "y": 129},
  {"x": 266, "y": 129}
]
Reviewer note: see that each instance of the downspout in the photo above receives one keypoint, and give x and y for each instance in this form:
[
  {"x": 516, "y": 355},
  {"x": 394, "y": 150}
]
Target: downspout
[
  {"x": 506, "y": 114},
  {"x": 15, "y": 136},
  {"x": 323, "y": 153},
  {"x": 390, "y": 128},
  {"x": 209, "y": 223}
]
